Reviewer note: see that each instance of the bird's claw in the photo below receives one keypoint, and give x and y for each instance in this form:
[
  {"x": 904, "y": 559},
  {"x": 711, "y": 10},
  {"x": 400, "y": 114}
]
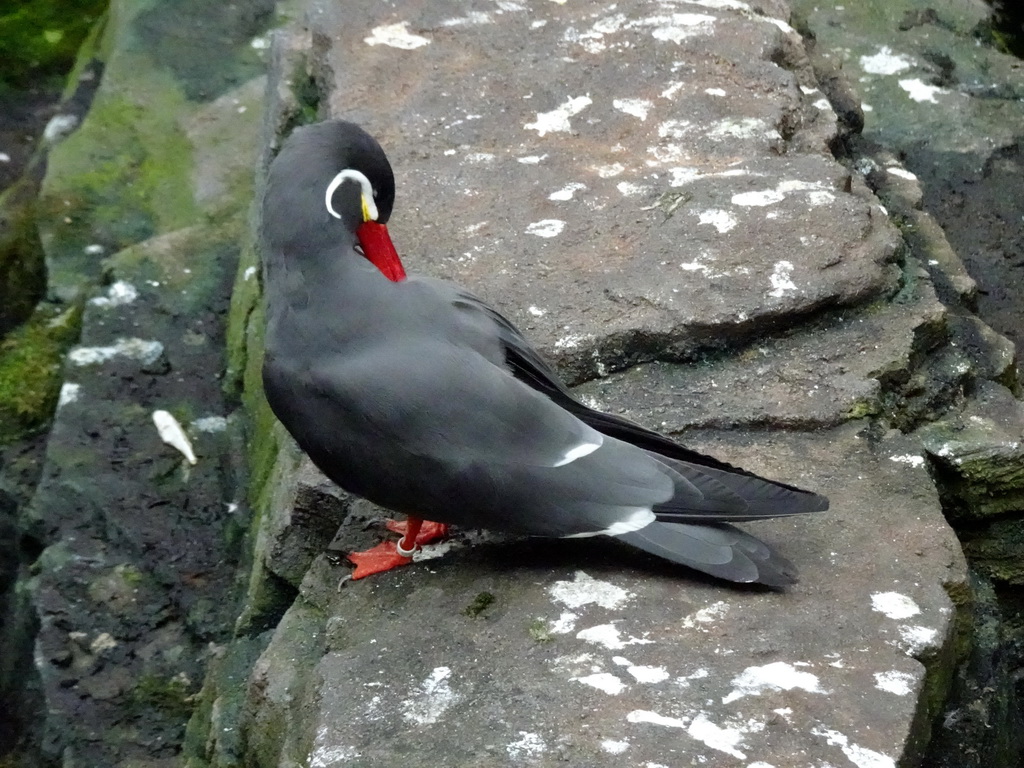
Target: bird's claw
[{"x": 379, "y": 559}]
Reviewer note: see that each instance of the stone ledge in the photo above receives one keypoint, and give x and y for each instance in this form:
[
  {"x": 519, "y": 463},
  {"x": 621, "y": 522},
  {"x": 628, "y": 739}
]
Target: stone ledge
[{"x": 592, "y": 654}]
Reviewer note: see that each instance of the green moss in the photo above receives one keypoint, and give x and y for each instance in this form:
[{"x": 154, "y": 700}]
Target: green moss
[
  {"x": 244, "y": 299},
  {"x": 480, "y": 603},
  {"x": 264, "y": 444},
  {"x": 22, "y": 262},
  {"x": 30, "y": 370},
  {"x": 122, "y": 177},
  {"x": 862, "y": 409},
  {"x": 169, "y": 695},
  {"x": 539, "y": 631},
  {"x": 39, "y": 39},
  {"x": 88, "y": 51},
  {"x": 307, "y": 97}
]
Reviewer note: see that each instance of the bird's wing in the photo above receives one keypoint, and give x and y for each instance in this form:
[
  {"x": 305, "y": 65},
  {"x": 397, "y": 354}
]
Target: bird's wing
[
  {"x": 762, "y": 497},
  {"x": 429, "y": 397}
]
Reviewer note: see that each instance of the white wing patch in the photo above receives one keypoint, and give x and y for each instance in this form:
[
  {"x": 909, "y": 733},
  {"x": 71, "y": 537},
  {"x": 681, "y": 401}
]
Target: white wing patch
[
  {"x": 580, "y": 450},
  {"x": 635, "y": 519}
]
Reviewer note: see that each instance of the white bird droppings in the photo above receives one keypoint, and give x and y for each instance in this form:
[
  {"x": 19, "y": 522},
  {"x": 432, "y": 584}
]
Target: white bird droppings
[
  {"x": 396, "y": 36},
  {"x": 609, "y": 171},
  {"x": 536, "y": 311},
  {"x": 570, "y": 341},
  {"x": 170, "y": 432},
  {"x": 329, "y": 756},
  {"x": 59, "y": 127},
  {"x": 609, "y": 636},
  {"x": 916, "y": 638},
  {"x": 885, "y": 62},
  {"x": 210, "y": 424},
  {"x": 758, "y": 198},
  {"x": 432, "y": 699},
  {"x": 723, "y": 221},
  {"x": 69, "y": 393},
  {"x": 706, "y": 615},
  {"x": 144, "y": 351},
  {"x": 894, "y": 681},
  {"x": 646, "y": 716},
  {"x": 699, "y": 728},
  {"x": 894, "y": 605},
  {"x": 723, "y": 739},
  {"x": 677, "y": 27},
  {"x": 546, "y": 228},
  {"x": 603, "y": 681},
  {"x": 777, "y": 676},
  {"x": 558, "y": 118},
  {"x": 566, "y": 192},
  {"x": 744, "y": 128},
  {"x": 915, "y": 461},
  {"x": 527, "y": 746},
  {"x": 614, "y": 747},
  {"x": 781, "y": 279},
  {"x": 249, "y": 273},
  {"x": 119, "y": 293},
  {"x": 585, "y": 590},
  {"x": 714, "y": 91},
  {"x": 918, "y": 90},
  {"x": 859, "y": 756},
  {"x": 564, "y": 624},
  {"x": 629, "y": 189},
  {"x": 645, "y": 674},
  {"x": 635, "y": 107}
]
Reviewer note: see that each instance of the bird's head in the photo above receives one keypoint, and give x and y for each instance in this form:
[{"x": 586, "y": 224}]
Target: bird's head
[{"x": 331, "y": 183}]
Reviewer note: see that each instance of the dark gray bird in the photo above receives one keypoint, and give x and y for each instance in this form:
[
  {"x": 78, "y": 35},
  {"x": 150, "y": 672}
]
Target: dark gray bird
[{"x": 418, "y": 396}]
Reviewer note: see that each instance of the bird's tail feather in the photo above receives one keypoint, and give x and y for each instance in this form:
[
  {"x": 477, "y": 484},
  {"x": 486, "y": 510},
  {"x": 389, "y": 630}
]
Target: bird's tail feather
[
  {"x": 729, "y": 496},
  {"x": 719, "y": 550}
]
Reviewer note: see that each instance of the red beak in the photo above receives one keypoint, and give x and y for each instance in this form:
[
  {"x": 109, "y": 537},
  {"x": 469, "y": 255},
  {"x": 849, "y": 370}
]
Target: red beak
[{"x": 379, "y": 249}]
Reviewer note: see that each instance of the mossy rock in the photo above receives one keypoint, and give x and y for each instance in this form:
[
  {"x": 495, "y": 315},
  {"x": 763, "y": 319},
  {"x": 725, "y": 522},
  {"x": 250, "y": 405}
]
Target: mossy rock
[
  {"x": 39, "y": 39},
  {"x": 997, "y": 550},
  {"x": 22, "y": 262},
  {"x": 30, "y": 370},
  {"x": 118, "y": 180},
  {"x": 978, "y": 456}
]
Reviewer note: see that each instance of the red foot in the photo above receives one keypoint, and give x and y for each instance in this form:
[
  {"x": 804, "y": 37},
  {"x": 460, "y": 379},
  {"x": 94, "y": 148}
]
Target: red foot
[
  {"x": 389, "y": 554},
  {"x": 379, "y": 559},
  {"x": 429, "y": 531}
]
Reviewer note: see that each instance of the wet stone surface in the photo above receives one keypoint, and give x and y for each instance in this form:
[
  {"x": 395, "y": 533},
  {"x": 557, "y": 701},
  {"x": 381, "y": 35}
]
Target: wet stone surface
[{"x": 637, "y": 185}]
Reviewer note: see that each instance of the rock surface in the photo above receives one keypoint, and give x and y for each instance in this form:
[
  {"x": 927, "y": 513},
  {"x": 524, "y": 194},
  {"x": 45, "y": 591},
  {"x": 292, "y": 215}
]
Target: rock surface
[
  {"x": 943, "y": 102},
  {"x": 593, "y": 655},
  {"x": 144, "y": 214},
  {"x": 633, "y": 193},
  {"x": 652, "y": 193}
]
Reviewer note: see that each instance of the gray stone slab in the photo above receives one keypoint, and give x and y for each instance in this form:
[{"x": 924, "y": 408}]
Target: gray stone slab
[
  {"x": 625, "y": 183},
  {"x": 590, "y": 654},
  {"x": 822, "y": 375}
]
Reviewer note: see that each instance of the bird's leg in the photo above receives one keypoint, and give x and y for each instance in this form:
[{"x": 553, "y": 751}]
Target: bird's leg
[
  {"x": 389, "y": 554},
  {"x": 424, "y": 531}
]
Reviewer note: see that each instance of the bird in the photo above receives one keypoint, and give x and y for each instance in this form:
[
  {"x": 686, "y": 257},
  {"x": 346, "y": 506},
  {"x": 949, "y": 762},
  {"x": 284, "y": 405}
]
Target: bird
[{"x": 415, "y": 394}]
